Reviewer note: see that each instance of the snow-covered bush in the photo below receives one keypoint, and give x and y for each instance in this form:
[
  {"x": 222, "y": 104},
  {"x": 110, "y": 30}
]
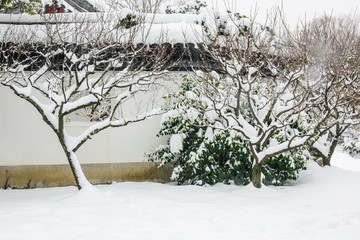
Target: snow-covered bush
[
  {"x": 351, "y": 145},
  {"x": 27, "y": 6},
  {"x": 193, "y": 6},
  {"x": 202, "y": 160},
  {"x": 285, "y": 166},
  {"x": 350, "y": 141},
  {"x": 203, "y": 151}
]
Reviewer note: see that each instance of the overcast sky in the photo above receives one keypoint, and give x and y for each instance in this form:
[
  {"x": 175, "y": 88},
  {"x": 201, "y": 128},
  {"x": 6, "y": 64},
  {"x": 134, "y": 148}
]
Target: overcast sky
[{"x": 295, "y": 9}]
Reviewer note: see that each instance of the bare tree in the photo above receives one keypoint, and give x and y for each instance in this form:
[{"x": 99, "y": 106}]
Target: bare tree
[
  {"x": 331, "y": 48},
  {"x": 258, "y": 83},
  {"x": 82, "y": 67}
]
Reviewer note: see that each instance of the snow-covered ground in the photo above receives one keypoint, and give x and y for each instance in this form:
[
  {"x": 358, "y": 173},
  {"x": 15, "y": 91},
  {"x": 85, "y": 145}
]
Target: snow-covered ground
[{"x": 323, "y": 204}]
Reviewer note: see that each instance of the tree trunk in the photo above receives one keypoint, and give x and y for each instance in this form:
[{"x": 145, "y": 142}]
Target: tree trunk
[
  {"x": 79, "y": 176},
  {"x": 256, "y": 176},
  {"x": 326, "y": 160}
]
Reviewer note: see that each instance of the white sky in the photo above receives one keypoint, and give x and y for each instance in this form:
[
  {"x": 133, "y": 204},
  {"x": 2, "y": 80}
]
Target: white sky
[{"x": 294, "y": 9}]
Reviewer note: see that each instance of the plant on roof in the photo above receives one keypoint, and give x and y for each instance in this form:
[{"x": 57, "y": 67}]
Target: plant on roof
[
  {"x": 27, "y": 6},
  {"x": 127, "y": 22}
]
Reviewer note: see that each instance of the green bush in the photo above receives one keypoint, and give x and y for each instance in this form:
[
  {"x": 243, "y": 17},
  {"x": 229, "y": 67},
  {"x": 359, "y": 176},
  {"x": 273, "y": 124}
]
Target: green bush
[
  {"x": 27, "y": 6},
  {"x": 351, "y": 144},
  {"x": 284, "y": 167},
  {"x": 127, "y": 22}
]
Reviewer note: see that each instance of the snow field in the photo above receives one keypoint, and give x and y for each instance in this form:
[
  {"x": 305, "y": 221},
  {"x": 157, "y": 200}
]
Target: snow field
[{"x": 323, "y": 204}]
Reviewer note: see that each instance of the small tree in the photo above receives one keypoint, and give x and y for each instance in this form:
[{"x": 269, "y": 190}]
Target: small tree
[
  {"x": 257, "y": 82},
  {"x": 82, "y": 68},
  {"x": 331, "y": 48}
]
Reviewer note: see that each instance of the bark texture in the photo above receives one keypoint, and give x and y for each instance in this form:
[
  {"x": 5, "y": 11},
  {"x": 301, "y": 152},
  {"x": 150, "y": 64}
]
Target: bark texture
[{"x": 256, "y": 175}]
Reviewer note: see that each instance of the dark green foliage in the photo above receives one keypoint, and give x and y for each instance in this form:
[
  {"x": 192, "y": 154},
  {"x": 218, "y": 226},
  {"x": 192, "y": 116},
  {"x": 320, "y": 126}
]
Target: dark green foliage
[
  {"x": 203, "y": 161},
  {"x": 284, "y": 167},
  {"x": 30, "y": 7},
  {"x": 127, "y": 22},
  {"x": 351, "y": 143},
  {"x": 225, "y": 160},
  {"x": 218, "y": 161}
]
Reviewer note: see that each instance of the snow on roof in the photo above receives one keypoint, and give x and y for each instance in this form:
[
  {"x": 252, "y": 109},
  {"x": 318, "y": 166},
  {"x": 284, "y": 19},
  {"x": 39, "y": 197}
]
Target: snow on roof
[{"x": 171, "y": 28}]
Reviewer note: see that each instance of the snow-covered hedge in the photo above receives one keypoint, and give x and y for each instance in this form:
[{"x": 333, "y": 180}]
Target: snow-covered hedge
[{"x": 351, "y": 141}]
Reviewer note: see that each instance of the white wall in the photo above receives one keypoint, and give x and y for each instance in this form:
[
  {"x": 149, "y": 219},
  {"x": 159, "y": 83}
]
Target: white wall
[{"x": 25, "y": 139}]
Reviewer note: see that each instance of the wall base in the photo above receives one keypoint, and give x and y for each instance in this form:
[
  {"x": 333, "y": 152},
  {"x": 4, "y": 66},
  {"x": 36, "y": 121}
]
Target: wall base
[{"x": 34, "y": 176}]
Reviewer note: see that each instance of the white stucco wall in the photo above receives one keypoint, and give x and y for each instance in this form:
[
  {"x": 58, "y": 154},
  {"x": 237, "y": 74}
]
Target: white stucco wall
[{"x": 25, "y": 139}]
